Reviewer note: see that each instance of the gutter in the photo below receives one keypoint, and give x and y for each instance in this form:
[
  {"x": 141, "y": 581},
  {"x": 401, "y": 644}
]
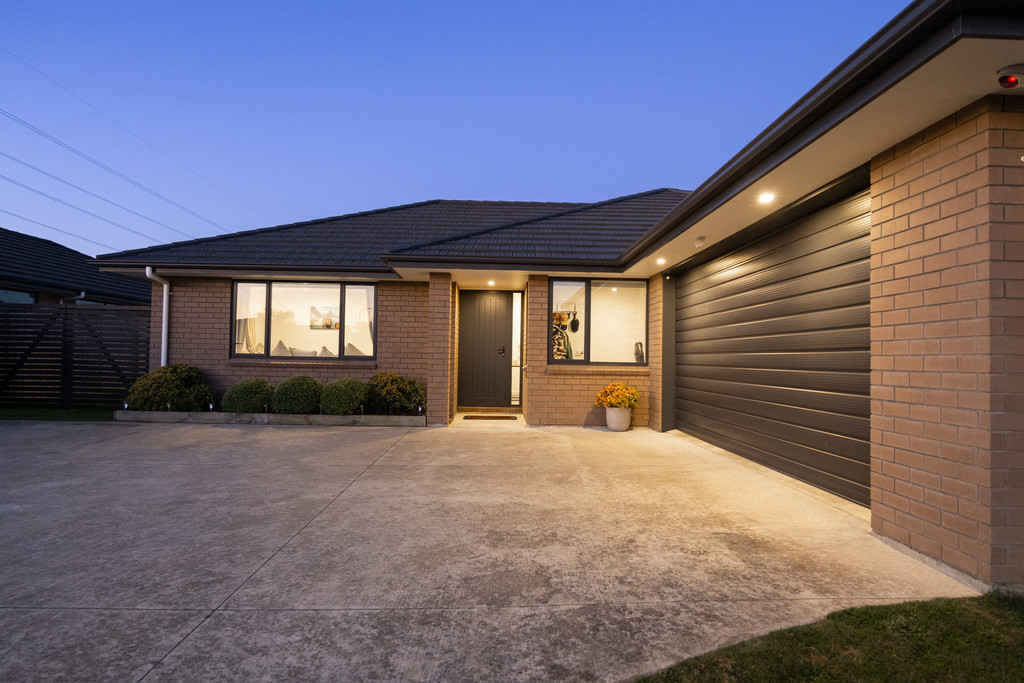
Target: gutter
[{"x": 165, "y": 311}]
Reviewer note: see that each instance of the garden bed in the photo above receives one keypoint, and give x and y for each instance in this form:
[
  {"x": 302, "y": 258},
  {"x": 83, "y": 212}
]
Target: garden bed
[{"x": 168, "y": 416}]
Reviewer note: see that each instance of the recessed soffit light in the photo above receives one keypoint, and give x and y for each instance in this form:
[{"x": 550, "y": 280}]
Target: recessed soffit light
[
  {"x": 766, "y": 198},
  {"x": 661, "y": 262}
]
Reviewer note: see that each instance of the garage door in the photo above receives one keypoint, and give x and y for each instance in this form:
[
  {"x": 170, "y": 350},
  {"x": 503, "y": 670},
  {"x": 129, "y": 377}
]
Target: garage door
[{"x": 772, "y": 350}]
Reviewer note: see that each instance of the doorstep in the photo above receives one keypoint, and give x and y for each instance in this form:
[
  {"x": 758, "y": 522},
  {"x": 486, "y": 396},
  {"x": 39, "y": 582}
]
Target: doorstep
[{"x": 169, "y": 416}]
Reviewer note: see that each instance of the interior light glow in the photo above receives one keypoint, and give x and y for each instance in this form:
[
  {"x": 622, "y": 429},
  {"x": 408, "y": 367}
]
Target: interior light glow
[{"x": 766, "y": 197}]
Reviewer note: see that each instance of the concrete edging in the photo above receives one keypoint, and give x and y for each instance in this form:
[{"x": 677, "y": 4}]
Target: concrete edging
[{"x": 169, "y": 416}]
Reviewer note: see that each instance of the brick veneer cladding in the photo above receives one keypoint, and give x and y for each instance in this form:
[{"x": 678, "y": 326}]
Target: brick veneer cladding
[
  {"x": 947, "y": 337},
  {"x": 200, "y": 329},
  {"x": 440, "y": 353},
  {"x": 557, "y": 394}
]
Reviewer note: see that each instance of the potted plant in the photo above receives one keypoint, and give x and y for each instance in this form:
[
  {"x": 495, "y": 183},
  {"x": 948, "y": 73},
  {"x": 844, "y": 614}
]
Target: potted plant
[{"x": 618, "y": 401}]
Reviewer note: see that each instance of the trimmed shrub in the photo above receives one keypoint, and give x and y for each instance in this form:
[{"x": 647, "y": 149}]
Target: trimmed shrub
[
  {"x": 342, "y": 396},
  {"x": 251, "y": 395},
  {"x": 391, "y": 394},
  {"x": 181, "y": 386},
  {"x": 299, "y": 394}
]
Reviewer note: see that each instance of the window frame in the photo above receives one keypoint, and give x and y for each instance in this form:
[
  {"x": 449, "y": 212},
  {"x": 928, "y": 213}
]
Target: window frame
[
  {"x": 267, "y": 323},
  {"x": 588, "y": 320}
]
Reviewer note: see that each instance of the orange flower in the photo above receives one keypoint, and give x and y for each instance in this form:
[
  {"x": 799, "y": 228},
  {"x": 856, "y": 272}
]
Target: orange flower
[{"x": 617, "y": 395}]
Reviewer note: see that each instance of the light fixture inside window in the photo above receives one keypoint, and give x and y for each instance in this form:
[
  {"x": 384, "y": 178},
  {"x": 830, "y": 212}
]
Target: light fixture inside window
[{"x": 766, "y": 198}]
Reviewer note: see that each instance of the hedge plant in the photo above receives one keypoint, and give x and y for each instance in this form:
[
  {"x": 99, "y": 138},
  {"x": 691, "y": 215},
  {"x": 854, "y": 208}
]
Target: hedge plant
[
  {"x": 342, "y": 396},
  {"x": 299, "y": 394},
  {"x": 172, "y": 387},
  {"x": 251, "y": 395},
  {"x": 390, "y": 394}
]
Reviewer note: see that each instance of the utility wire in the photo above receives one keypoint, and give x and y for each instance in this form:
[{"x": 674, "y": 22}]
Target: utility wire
[
  {"x": 65, "y": 232},
  {"x": 120, "y": 175},
  {"x": 93, "y": 194},
  {"x": 137, "y": 136},
  {"x": 78, "y": 208}
]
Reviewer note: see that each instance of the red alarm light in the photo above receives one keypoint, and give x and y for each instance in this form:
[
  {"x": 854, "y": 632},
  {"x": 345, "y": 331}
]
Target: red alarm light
[{"x": 1009, "y": 77}]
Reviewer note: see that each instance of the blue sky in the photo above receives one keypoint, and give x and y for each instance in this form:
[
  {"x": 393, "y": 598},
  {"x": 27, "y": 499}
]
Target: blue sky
[{"x": 251, "y": 114}]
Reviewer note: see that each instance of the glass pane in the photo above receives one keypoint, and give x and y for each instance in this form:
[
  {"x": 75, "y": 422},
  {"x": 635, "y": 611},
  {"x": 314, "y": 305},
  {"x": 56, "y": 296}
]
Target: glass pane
[
  {"x": 305, "y": 320},
  {"x": 568, "y": 327},
  {"x": 517, "y": 349},
  {"x": 359, "y": 320},
  {"x": 250, "y": 317},
  {"x": 618, "y": 312}
]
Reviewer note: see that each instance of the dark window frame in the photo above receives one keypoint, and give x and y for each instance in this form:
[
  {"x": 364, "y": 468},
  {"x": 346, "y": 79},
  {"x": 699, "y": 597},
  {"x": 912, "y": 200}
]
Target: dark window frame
[
  {"x": 587, "y": 321},
  {"x": 266, "y": 330}
]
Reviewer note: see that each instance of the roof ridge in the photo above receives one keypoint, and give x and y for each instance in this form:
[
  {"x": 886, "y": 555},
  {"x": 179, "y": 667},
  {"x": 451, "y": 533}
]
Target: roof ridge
[{"x": 506, "y": 226}]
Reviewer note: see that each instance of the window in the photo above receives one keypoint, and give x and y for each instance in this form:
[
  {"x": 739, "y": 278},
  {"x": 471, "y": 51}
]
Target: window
[
  {"x": 600, "y": 321},
  {"x": 307, "y": 320}
]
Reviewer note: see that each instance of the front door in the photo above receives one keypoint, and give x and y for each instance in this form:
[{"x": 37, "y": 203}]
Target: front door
[{"x": 485, "y": 348}]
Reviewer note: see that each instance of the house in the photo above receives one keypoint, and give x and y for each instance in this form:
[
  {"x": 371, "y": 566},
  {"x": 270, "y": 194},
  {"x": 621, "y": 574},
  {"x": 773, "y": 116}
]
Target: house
[
  {"x": 843, "y": 301},
  {"x": 38, "y": 271}
]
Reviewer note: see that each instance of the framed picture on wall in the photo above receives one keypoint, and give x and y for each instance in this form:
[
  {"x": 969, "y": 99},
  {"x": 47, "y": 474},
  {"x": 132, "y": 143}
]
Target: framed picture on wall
[{"x": 324, "y": 318}]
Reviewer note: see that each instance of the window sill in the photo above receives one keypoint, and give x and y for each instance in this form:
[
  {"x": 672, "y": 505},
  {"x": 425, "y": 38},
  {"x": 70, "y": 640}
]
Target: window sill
[
  {"x": 609, "y": 369},
  {"x": 299, "y": 361}
]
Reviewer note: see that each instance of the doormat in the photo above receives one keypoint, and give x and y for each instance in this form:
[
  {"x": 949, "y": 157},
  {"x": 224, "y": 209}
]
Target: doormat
[{"x": 489, "y": 417}]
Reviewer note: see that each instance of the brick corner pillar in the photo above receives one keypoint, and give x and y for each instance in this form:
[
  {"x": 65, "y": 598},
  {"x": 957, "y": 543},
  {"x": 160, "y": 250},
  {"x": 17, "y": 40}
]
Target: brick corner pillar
[
  {"x": 947, "y": 342},
  {"x": 440, "y": 353},
  {"x": 535, "y": 351},
  {"x": 656, "y": 293}
]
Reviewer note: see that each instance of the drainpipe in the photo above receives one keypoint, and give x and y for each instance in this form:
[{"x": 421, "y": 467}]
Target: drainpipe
[{"x": 165, "y": 312}]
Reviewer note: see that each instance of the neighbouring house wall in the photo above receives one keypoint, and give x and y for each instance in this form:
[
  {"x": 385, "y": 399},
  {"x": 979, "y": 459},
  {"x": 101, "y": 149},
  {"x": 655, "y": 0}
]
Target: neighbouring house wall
[
  {"x": 556, "y": 394},
  {"x": 947, "y": 338},
  {"x": 200, "y": 335}
]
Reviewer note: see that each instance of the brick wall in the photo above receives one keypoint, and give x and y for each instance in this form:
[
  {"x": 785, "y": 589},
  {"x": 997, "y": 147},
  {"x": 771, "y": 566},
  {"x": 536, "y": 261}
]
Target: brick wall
[
  {"x": 947, "y": 338},
  {"x": 655, "y": 310},
  {"x": 200, "y": 329},
  {"x": 563, "y": 394},
  {"x": 440, "y": 399}
]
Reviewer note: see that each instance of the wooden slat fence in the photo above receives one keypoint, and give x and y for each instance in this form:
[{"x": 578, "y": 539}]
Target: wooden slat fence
[{"x": 70, "y": 356}]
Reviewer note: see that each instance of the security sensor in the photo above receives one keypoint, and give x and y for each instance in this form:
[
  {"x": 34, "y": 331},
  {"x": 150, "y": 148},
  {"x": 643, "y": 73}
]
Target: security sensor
[{"x": 1010, "y": 77}]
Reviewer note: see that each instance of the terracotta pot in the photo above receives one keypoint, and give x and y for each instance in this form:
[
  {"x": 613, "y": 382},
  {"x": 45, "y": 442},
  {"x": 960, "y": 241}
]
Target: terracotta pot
[{"x": 618, "y": 419}]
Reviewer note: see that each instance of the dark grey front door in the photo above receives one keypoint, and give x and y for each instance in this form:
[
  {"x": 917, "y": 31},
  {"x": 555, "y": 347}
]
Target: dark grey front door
[{"x": 485, "y": 348}]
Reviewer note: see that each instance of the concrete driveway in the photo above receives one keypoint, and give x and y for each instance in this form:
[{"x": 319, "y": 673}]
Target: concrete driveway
[{"x": 487, "y": 551}]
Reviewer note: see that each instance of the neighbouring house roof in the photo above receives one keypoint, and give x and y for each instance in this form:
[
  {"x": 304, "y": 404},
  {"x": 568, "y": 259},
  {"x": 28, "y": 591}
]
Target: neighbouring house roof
[
  {"x": 32, "y": 264},
  {"x": 429, "y": 231},
  {"x": 594, "y": 234}
]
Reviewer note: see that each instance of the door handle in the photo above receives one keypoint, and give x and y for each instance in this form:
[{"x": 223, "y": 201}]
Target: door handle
[{"x": 502, "y": 351}]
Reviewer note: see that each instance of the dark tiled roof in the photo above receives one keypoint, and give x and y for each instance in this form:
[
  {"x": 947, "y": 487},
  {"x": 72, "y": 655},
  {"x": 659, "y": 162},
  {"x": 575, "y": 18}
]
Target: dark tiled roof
[
  {"x": 599, "y": 232},
  {"x": 36, "y": 265},
  {"x": 353, "y": 241}
]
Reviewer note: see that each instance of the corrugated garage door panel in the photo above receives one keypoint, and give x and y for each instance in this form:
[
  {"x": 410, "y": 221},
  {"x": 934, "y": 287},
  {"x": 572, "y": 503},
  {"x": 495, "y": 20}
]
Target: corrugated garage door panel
[{"x": 772, "y": 346}]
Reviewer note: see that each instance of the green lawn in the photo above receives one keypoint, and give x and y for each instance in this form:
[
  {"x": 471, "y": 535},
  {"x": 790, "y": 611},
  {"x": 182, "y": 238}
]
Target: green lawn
[
  {"x": 967, "y": 639},
  {"x": 79, "y": 414}
]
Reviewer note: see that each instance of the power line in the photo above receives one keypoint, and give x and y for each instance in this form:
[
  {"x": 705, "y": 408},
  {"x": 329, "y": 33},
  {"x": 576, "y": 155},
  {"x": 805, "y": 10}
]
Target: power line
[
  {"x": 93, "y": 194},
  {"x": 137, "y": 136},
  {"x": 65, "y": 232},
  {"x": 78, "y": 208},
  {"x": 120, "y": 175}
]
